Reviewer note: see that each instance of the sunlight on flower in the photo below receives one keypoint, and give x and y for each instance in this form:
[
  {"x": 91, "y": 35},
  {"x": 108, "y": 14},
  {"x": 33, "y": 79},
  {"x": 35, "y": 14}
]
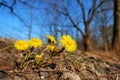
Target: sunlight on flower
[
  {"x": 52, "y": 39},
  {"x": 35, "y": 42},
  {"x": 68, "y": 43},
  {"x": 52, "y": 48},
  {"x": 38, "y": 57},
  {"x": 21, "y": 45}
]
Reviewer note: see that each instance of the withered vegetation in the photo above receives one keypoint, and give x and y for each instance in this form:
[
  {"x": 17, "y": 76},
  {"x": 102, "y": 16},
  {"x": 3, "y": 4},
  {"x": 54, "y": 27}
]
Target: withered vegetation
[{"x": 78, "y": 65}]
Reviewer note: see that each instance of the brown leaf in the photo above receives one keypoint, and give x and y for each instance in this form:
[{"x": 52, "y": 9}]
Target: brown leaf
[
  {"x": 6, "y": 65},
  {"x": 50, "y": 61}
]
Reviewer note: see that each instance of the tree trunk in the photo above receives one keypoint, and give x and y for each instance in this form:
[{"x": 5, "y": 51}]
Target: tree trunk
[
  {"x": 77, "y": 38},
  {"x": 86, "y": 37},
  {"x": 30, "y": 32},
  {"x": 87, "y": 45},
  {"x": 116, "y": 29},
  {"x": 105, "y": 38},
  {"x": 30, "y": 26},
  {"x": 106, "y": 42},
  {"x": 56, "y": 32}
]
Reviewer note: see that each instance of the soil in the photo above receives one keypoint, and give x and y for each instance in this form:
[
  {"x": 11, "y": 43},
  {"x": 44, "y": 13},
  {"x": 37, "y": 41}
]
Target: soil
[{"x": 79, "y": 65}]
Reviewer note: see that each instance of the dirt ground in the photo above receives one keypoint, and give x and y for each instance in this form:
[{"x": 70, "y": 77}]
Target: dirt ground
[{"x": 94, "y": 65}]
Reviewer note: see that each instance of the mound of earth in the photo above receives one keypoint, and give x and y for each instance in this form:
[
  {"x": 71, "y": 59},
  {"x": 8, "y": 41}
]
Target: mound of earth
[{"x": 76, "y": 66}]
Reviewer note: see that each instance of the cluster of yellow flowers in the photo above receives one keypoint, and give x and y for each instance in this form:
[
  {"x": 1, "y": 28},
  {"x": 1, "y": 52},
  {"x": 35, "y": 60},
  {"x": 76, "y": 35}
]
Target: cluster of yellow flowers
[
  {"x": 66, "y": 41},
  {"x": 33, "y": 42}
]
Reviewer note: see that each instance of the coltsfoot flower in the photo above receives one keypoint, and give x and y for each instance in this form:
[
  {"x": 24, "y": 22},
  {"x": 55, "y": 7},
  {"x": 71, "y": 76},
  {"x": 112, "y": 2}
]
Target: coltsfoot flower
[
  {"x": 35, "y": 42},
  {"x": 52, "y": 48},
  {"x": 51, "y": 39},
  {"x": 21, "y": 45},
  {"x": 38, "y": 57},
  {"x": 68, "y": 43}
]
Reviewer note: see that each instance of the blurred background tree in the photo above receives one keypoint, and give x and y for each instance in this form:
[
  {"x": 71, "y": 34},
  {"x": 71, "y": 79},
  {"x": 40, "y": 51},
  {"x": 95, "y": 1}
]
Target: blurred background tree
[
  {"x": 90, "y": 22},
  {"x": 116, "y": 28}
]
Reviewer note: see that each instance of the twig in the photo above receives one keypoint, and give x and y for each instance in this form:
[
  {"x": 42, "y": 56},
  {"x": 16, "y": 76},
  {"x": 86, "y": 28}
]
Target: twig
[{"x": 36, "y": 71}]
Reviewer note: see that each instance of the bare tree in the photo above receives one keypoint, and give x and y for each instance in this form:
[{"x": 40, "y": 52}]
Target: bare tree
[
  {"x": 116, "y": 29},
  {"x": 87, "y": 19},
  {"x": 105, "y": 28}
]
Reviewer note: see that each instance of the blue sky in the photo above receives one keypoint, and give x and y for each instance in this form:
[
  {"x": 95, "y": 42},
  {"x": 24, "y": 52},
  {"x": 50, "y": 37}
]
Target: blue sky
[{"x": 12, "y": 27}]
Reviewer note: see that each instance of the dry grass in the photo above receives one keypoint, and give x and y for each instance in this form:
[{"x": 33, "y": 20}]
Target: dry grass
[{"x": 76, "y": 66}]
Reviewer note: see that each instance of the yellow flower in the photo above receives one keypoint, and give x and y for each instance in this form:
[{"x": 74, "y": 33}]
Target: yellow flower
[
  {"x": 21, "y": 45},
  {"x": 52, "y": 39},
  {"x": 38, "y": 57},
  {"x": 35, "y": 42},
  {"x": 68, "y": 43},
  {"x": 52, "y": 48}
]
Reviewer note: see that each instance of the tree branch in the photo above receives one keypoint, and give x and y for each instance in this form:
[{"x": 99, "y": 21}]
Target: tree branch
[
  {"x": 12, "y": 10},
  {"x": 90, "y": 11},
  {"x": 28, "y": 5},
  {"x": 95, "y": 8},
  {"x": 83, "y": 10},
  {"x": 7, "y": 6},
  {"x": 72, "y": 21},
  {"x": 24, "y": 3},
  {"x": 14, "y": 2},
  {"x": 102, "y": 10}
]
